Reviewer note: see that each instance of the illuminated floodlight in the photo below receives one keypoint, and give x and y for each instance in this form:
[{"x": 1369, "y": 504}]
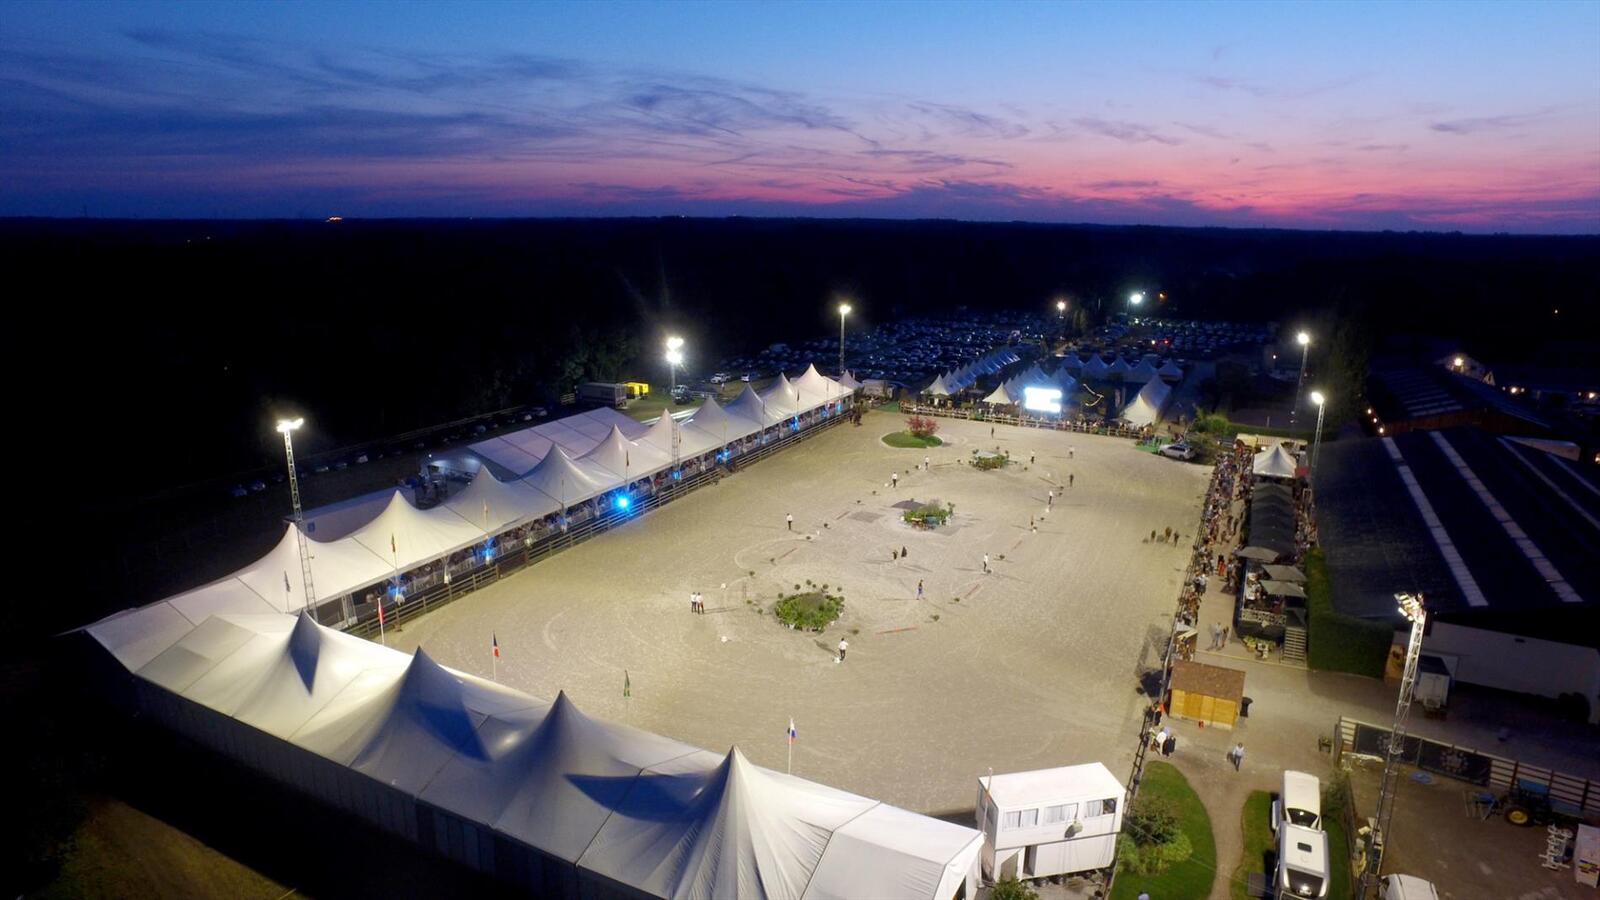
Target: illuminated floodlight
[
  {"x": 674, "y": 342},
  {"x": 287, "y": 425},
  {"x": 844, "y": 309},
  {"x": 675, "y": 357},
  {"x": 1042, "y": 399},
  {"x": 1317, "y": 398},
  {"x": 1061, "y": 306},
  {"x": 622, "y": 503},
  {"x": 1136, "y": 298},
  {"x": 1303, "y": 338}
]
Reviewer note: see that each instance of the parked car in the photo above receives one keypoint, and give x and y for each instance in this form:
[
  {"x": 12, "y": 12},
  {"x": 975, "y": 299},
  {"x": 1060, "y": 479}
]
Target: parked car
[
  {"x": 1405, "y": 887},
  {"x": 1179, "y": 450},
  {"x": 720, "y": 378}
]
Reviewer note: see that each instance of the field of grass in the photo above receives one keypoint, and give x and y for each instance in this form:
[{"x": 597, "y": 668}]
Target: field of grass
[
  {"x": 1192, "y": 878},
  {"x": 1258, "y": 843},
  {"x": 908, "y": 441},
  {"x": 1340, "y": 643}
]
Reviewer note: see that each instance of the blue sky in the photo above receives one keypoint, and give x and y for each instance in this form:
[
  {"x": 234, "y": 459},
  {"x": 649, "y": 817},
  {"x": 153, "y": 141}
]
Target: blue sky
[{"x": 1475, "y": 116}]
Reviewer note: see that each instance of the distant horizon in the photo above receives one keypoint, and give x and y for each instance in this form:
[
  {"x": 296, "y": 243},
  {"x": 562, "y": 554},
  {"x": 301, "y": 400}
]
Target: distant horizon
[
  {"x": 1469, "y": 117},
  {"x": 1042, "y": 223}
]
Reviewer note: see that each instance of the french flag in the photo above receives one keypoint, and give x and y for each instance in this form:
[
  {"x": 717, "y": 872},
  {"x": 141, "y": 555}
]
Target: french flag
[
  {"x": 792, "y": 733},
  {"x": 494, "y": 642}
]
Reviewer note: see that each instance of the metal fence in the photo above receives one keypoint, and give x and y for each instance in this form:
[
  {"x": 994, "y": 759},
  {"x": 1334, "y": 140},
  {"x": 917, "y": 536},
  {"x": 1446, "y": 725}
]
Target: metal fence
[
  {"x": 434, "y": 592},
  {"x": 1569, "y": 794}
]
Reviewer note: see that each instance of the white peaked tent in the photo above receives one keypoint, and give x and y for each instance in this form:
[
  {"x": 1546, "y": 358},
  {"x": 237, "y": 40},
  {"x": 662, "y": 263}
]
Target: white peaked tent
[
  {"x": 559, "y": 478},
  {"x": 1004, "y": 395},
  {"x": 1144, "y": 371},
  {"x": 406, "y": 537},
  {"x": 1148, "y": 404},
  {"x": 1096, "y": 367},
  {"x": 1274, "y": 462},
  {"x": 1072, "y": 362},
  {"x": 403, "y": 732},
  {"x": 551, "y": 779},
  {"x": 665, "y": 433},
  {"x": 736, "y": 830},
  {"x": 624, "y": 459},
  {"x": 593, "y": 806},
  {"x": 780, "y": 397},
  {"x": 816, "y": 388},
  {"x": 496, "y": 505},
  {"x": 720, "y": 426},
  {"x": 1170, "y": 371},
  {"x": 336, "y": 567},
  {"x": 938, "y": 388},
  {"x": 750, "y": 407},
  {"x": 847, "y": 380},
  {"x": 1119, "y": 368}
]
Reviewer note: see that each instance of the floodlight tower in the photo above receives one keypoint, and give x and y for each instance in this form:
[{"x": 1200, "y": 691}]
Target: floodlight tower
[
  {"x": 1321, "y": 401},
  {"x": 286, "y": 427},
  {"x": 1304, "y": 340},
  {"x": 674, "y": 359},
  {"x": 844, "y": 310},
  {"x": 1411, "y": 606}
]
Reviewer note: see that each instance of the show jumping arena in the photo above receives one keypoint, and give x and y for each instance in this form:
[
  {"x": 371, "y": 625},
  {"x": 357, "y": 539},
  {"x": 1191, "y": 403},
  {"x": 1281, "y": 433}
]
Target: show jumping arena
[{"x": 1037, "y": 664}]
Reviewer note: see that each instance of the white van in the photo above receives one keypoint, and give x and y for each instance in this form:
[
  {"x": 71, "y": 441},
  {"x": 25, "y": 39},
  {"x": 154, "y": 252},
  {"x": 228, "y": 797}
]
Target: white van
[
  {"x": 1300, "y": 801},
  {"x": 1302, "y": 862},
  {"x": 1405, "y": 887}
]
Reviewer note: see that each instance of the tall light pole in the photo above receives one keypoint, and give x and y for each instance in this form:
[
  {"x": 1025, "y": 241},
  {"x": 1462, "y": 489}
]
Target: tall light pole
[
  {"x": 1134, "y": 299},
  {"x": 286, "y": 428},
  {"x": 1316, "y": 442},
  {"x": 674, "y": 359},
  {"x": 844, "y": 310},
  {"x": 1304, "y": 340},
  {"x": 1411, "y": 606}
]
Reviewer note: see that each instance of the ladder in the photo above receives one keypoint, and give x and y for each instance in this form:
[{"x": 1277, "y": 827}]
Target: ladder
[
  {"x": 299, "y": 529},
  {"x": 1294, "y": 645}
]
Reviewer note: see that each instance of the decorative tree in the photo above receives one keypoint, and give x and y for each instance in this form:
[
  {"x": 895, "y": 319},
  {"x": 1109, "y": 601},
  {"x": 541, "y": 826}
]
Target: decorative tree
[{"x": 922, "y": 426}]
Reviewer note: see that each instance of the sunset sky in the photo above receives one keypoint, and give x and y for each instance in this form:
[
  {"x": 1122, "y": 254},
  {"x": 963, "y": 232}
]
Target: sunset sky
[{"x": 1473, "y": 116}]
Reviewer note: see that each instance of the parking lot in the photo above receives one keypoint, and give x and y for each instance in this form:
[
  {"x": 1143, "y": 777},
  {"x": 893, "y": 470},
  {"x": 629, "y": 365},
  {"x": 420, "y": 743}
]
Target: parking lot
[{"x": 1035, "y": 665}]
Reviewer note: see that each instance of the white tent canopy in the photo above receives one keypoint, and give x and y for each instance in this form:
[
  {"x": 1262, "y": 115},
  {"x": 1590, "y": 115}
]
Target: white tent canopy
[
  {"x": 1170, "y": 370},
  {"x": 1119, "y": 368},
  {"x": 562, "y": 480},
  {"x": 496, "y": 505},
  {"x": 1144, "y": 371},
  {"x": 1274, "y": 462},
  {"x": 1095, "y": 367},
  {"x": 624, "y": 459},
  {"x": 937, "y": 388},
  {"x": 750, "y": 407},
  {"x": 817, "y": 389},
  {"x": 406, "y": 536},
  {"x": 620, "y": 807},
  {"x": 1148, "y": 404},
  {"x": 848, "y": 381}
]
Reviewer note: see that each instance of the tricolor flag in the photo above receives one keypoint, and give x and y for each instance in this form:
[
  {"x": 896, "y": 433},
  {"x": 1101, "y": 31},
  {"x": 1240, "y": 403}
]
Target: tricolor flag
[
  {"x": 792, "y": 733},
  {"x": 380, "y": 612},
  {"x": 495, "y": 643}
]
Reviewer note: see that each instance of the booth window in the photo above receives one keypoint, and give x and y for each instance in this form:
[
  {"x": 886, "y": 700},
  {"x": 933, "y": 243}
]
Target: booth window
[
  {"x": 1061, "y": 813},
  {"x": 1013, "y": 819},
  {"x": 1030, "y": 818},
  {"x": 1099, "y": 808}
]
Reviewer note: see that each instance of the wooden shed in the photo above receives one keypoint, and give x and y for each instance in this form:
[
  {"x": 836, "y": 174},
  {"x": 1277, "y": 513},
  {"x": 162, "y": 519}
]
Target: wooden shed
[{"x": 1209, "y": 694}]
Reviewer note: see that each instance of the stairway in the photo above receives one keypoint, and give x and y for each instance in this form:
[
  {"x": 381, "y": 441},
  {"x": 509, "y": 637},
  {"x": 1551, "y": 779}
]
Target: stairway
[{"x": 1294, "y": 645}]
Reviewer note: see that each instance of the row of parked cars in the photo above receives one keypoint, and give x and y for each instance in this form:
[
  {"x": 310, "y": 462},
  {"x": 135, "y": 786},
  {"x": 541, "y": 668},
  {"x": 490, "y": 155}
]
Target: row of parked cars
[
  {"x": 903, "y": 352},
  {"x": 1204, "y": 339}
]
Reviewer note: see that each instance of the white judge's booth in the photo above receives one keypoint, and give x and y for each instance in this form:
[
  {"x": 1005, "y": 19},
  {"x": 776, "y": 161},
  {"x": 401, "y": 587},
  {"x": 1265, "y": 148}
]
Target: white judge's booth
[{"x": 1049, "y": 821}]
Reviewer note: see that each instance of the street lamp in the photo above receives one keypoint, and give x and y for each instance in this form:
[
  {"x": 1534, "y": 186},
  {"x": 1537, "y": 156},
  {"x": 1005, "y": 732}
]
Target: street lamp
[
  {"x": 286, "y": 427},
  {"x": 1061, "y": 309},
  {"x": 674, "y": 359},
  {"x": 1304, "y": 340},
  {"x": 1316, "y": 442},
  {"x": 844, "y": 310}
]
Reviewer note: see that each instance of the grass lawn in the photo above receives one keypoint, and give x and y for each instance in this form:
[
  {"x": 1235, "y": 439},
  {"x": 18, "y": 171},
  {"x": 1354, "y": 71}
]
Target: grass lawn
[
  {"x": 907, "y": 440},
  {"x": 1190, "y": 879},
  {"x": 1258, "y": 842},
  {"x": 1339, "y": 850}
]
